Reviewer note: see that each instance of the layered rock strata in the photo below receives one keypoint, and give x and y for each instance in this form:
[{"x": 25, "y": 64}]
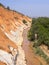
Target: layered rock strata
[{"x": 11, "y": 30}]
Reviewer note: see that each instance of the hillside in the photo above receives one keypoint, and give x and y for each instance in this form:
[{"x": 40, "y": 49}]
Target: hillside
[{"x": 11, "y": 29}]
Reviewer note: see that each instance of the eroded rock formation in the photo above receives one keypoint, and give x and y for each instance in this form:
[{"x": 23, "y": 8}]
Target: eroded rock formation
[{"x": 11, "y": 30}]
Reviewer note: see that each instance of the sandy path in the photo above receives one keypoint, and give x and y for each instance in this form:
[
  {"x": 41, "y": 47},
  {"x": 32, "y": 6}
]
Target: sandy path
[{"x": 31, "y": 58}]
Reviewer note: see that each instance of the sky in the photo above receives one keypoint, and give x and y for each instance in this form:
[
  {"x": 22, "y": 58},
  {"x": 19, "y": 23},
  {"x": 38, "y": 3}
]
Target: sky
[{"x": 32, "y": 8}]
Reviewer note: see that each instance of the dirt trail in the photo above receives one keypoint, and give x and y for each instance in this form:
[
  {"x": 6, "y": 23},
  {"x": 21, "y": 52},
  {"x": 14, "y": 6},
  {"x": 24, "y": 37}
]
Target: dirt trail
[{"x": 31, "y": 58}]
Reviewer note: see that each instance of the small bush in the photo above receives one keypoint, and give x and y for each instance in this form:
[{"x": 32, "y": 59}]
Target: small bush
[
  {"x": 8, "y": 7},
  {"x": 25, "y": 22}
]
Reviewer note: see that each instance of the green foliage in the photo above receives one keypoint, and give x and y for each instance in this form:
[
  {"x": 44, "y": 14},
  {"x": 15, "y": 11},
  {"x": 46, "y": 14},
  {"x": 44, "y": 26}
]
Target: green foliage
[
  {"x": 40, "y": 26},
  {"x": 25, "y": 22},
  {"x": 1, "y": 5}
]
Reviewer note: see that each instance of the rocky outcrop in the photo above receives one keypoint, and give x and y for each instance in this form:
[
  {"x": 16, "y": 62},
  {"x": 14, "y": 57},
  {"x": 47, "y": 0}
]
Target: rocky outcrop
[
  {"x": 11, "y": 30},
  {"x": 21, "y": 57}
]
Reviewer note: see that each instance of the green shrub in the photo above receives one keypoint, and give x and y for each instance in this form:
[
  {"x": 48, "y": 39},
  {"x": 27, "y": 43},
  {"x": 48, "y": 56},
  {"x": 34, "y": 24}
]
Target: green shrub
[
  {"x": 1, "y": 5},
  {"x": 8, "y": 7},
  {"x": 25, "y": 22}
]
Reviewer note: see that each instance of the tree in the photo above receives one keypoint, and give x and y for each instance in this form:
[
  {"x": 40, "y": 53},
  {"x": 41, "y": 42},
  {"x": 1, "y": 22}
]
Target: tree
[
  {"x": 8, "y": 7},
  {"x": 40, "y": 26}
]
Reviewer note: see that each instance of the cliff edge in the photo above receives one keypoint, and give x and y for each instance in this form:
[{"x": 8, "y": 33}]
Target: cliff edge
[{"x": 11, "y": 29}]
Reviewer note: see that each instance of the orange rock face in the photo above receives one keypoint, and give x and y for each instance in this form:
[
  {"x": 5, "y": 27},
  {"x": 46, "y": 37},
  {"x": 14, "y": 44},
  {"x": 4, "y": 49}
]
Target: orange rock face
[
  {"x": 9, "y": 20},
  {"x": 5, "y": 42},
  {"x": 2, "y": 63},
  {"x": 10, "y": 24}
]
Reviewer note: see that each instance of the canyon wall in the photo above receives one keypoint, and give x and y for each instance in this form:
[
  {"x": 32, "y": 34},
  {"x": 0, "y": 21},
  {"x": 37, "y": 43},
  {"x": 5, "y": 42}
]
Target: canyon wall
[{"x": 11, "y": 30}]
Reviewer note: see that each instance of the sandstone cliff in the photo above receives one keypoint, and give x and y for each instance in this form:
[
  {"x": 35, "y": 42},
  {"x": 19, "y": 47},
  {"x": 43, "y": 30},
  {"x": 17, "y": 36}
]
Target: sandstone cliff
[{"x": 11, "y": 30}]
